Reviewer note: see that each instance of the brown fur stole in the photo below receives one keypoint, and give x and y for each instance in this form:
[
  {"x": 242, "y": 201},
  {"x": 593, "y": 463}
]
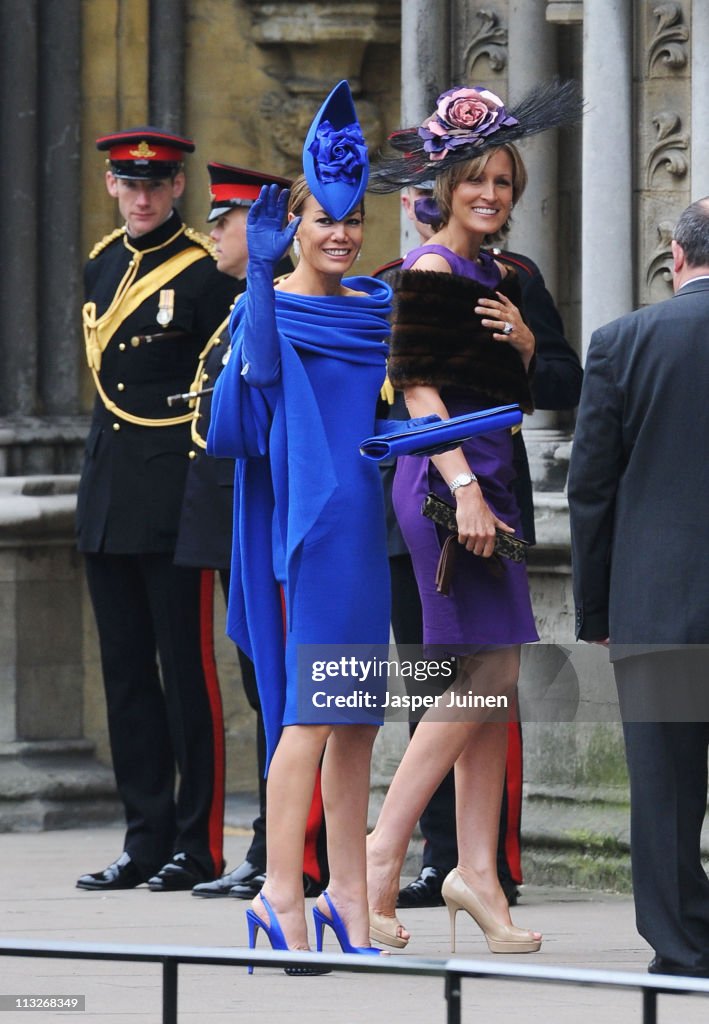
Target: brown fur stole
[{"x": 438, "y": 339}]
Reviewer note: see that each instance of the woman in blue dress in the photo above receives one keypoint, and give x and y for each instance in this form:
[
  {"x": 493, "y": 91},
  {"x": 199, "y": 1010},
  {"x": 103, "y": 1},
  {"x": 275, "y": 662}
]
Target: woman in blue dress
[
  {"x": 309, "y": 554},
  {"x": 460, "y": 343}
]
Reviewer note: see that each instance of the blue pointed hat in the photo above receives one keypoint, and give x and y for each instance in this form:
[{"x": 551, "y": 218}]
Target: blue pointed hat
[{"x": 335, "y": 158}]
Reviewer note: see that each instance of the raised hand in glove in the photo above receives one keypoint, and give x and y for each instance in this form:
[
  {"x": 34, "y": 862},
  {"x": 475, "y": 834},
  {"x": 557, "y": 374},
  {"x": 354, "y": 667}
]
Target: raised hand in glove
[{"x": 268, "y": 240}]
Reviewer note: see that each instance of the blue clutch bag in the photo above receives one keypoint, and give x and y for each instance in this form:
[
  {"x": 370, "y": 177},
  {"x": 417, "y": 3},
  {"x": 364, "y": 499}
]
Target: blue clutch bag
[{"x": 436, "y": 435}]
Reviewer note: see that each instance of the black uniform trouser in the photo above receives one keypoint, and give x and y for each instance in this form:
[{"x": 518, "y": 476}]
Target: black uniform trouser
[
  {"x": 256, "y": 853},
  {"x": 437, "y": 822},
  {"x": 667, "y": 765},
  {"x": 147, "y": 608}
]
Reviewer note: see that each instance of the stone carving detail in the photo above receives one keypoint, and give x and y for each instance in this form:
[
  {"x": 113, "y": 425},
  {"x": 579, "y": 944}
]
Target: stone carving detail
[
  {"x": 668, "y": 44},
  {"x": 670, "y": 147},
  {"x": 289, "y": 117},
  {"x": 660, "y": 265},
  {"x": 490, "y": 40},
  {"x": 322, "y": 41}
]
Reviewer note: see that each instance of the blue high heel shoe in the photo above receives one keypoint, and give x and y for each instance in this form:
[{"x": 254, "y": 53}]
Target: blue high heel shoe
[
  {"x": 338, "y": 926},
  {"x": 274, "y": 934}
]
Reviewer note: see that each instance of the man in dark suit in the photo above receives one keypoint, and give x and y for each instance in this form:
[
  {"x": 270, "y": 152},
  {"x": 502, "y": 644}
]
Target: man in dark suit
[
  {"x": 153, "y": 298},
  {"x": 556, "y": 385},
  {"x": 638, "y": 491},
  {"x": 206, "y": 523}
]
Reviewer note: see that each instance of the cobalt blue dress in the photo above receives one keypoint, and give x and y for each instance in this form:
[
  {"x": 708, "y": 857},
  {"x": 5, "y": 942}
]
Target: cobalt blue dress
[{"x": 309, "y": 560}]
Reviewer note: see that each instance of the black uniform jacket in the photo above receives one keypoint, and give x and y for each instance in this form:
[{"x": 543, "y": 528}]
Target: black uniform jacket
[
  {"x": 133, "y": 476},
  {"x": 206, "y": 524}
]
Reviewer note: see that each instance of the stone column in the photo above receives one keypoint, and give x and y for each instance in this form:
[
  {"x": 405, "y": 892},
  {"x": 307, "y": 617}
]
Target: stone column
[
  {"x": 18, "y": 206},
  {"x": 607, "y": 197},
  {"x": 532, "y": 59},
  {"x": 700, "y": 100},
  {"x": 425, "y": 71},
  {"x": 58, "y": 308},
  {"x": 167, "y": 64}
]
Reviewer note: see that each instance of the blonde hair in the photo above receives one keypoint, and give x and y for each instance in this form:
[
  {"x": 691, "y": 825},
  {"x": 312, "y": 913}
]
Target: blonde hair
[
  {"x": 299, "y": 193},
  {"x": 447, "y": 181}
]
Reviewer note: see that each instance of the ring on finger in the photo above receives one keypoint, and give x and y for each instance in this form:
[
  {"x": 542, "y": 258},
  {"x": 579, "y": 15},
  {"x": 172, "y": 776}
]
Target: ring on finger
[{"x": 507, "y": 327}]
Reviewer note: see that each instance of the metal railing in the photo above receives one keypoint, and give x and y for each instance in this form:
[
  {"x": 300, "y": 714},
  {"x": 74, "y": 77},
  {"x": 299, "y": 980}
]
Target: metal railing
[{"x": 452, "y": 970}]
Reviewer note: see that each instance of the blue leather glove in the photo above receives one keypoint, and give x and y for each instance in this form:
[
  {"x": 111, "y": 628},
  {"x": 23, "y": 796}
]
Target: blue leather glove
[{"x": 268, "y": 241}]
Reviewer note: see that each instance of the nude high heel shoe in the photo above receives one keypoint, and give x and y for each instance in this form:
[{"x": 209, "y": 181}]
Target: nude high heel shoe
[
  {"x": 500, "y": 938},
  {"x": 385, "y": 929}
]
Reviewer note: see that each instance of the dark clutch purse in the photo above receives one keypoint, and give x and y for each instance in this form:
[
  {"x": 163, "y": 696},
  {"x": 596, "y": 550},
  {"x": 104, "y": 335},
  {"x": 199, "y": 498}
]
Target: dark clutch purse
[{"x": 443, "y": 514}]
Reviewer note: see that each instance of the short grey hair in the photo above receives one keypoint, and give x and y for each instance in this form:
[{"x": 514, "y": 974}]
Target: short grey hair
[{"x": 692, "y": 233}]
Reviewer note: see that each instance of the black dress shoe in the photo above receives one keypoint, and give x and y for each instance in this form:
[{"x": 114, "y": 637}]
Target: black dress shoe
[
  {"x": 122, "y": 874},
  {"x": 510, "y": 890},
  {"x": 182, "y": 872},
  {"x": 311, "y": 887},
  {"x": 659, "y": 965},
  {"x": 247, "y": 880},
  {"x": 424, "y": 891}
]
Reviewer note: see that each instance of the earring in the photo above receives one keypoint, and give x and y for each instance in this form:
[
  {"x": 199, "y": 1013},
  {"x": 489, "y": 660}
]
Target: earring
[
  {"x": 359, "y": 255},
  {"x": 296, "y": 248}
]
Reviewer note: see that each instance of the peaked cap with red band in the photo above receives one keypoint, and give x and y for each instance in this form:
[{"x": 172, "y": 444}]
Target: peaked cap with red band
[
  {"x": 145, "y": 152},
  {"x": 230, "y": 187}
]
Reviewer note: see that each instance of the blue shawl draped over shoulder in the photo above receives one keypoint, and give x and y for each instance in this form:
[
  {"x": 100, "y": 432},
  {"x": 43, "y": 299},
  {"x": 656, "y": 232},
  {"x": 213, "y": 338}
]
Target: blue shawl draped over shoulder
[{"x": 291, "y": 461}]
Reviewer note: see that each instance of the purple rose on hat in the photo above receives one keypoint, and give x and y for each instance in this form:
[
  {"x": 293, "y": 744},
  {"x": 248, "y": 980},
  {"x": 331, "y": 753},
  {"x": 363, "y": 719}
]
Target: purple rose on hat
[
  {"x": 462, "y": 116},
  {"x": 339, "y": 154}
]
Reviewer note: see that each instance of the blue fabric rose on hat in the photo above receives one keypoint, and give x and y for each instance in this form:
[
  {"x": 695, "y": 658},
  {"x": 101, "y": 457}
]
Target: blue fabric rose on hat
[{"x": 339, "y": 154}]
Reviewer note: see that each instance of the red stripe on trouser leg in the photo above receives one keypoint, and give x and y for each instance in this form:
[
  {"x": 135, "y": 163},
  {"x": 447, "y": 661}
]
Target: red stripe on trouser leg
[
  {"x": 211, "y": 679},
  {"x": 311, "y": 865},
  {"x": 513, "y": 783}
]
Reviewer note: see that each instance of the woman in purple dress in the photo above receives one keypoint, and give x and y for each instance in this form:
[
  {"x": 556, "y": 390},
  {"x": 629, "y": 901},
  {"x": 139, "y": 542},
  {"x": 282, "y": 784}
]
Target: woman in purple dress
[{"x": 460, "y": 343}]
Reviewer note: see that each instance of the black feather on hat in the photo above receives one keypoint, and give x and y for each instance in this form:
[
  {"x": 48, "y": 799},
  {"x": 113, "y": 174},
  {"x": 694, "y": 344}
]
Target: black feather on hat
[{"x": 465, "y": 124}]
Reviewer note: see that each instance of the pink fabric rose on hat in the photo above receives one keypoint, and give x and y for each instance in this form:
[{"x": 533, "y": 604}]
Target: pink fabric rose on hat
[
  {"x": 462, "y": 116},
  {"x": 469, "y": 108}
]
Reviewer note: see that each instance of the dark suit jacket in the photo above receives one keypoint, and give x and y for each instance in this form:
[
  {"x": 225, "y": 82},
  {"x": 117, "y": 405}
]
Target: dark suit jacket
[{"x": 639, "y": 477}]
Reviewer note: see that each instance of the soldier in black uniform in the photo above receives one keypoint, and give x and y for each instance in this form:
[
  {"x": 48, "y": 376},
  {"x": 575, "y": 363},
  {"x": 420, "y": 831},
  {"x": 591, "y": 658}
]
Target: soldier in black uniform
[
  {"x": 153, "y": 298},
  {"x": 206, "y": 524},
  {"x": 204, "y": 539}
]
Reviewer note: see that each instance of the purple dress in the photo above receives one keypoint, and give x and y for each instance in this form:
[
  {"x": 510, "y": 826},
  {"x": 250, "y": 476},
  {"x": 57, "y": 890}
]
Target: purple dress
[{"x": 485, "y": 606}]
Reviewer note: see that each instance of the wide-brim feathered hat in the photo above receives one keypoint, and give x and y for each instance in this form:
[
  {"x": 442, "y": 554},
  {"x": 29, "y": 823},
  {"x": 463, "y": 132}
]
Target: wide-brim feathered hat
[
  {"x": 468, "y": 122},
  {"x": 335, "y": 160}
]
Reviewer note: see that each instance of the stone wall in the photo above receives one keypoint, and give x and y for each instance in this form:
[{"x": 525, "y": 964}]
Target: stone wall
[{"x": 49, "y": 774}]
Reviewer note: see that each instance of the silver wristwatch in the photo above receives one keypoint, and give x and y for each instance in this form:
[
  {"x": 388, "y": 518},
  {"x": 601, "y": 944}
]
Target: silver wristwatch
[{"x": 462, "y": 480}]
